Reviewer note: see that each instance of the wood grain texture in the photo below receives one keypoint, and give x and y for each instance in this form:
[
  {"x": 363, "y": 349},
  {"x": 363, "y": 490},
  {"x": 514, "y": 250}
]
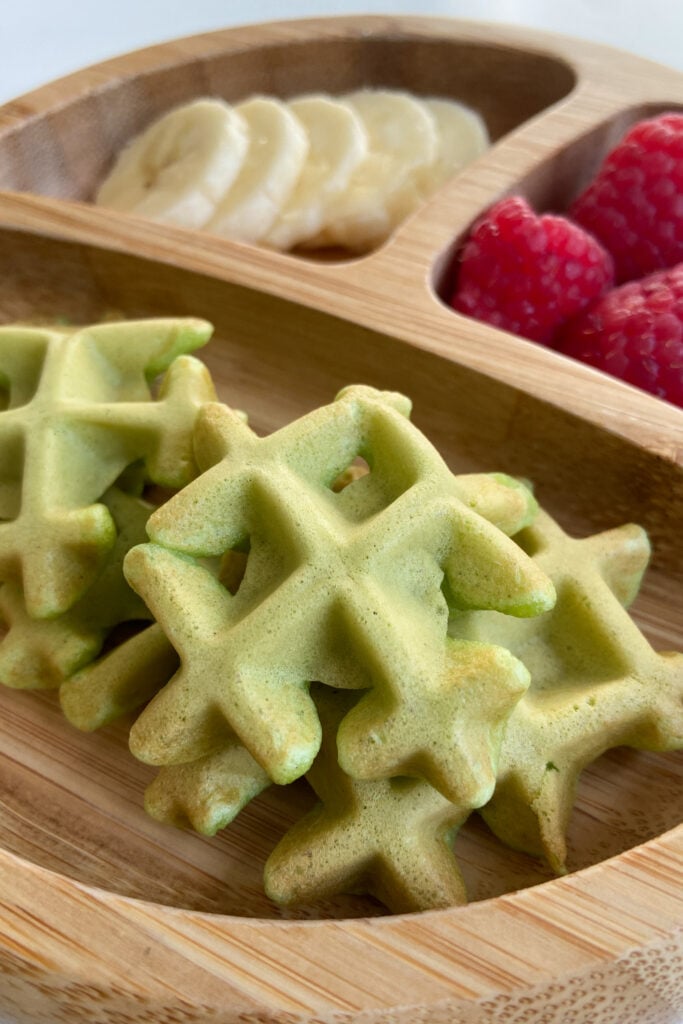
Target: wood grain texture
[{"x": 106, "y": 916}]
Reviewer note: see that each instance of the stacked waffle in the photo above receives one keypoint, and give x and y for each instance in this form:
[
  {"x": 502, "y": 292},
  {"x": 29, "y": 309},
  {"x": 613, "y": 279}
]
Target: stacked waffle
[
  {"x": 82, "y": 437},
  {"x": 379, "y": 632}
]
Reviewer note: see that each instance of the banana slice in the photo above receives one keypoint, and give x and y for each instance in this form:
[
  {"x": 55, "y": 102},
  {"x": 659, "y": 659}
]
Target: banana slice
[
  {"x": 277, "y": 152},
  {"x": 383, "y": 190},
  {"x": 338, "y": 143},
  {"x": 462, "y": 137},
  {"x": 179, "y": 169}
]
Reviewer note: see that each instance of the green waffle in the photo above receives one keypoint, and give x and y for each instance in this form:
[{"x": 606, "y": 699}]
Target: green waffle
[
  {"x": 596, "y": 682},
  {"x": 340, "y": 587},
  {"x": 79, "y": 410}
]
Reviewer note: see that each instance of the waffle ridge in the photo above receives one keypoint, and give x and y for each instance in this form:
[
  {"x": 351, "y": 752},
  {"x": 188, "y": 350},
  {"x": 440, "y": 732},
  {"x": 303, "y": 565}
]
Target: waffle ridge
[
  {"x": 43, "y": 653},
  {"x": 79, "y": 411},
  {"x": 389, "y": 837},
  {"x": 329, "y": 579},
  {"x": 596, "y": 682}
]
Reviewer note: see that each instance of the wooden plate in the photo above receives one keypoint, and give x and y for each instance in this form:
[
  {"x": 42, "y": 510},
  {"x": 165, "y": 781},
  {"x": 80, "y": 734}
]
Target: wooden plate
[{"x": 106, "y": 916}]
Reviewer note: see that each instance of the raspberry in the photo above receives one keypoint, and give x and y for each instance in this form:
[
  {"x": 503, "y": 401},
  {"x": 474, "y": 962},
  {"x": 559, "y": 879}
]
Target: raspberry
[
  {"x": 635, "y": 204},
  {"x": 635, "y": 332},
  {"x": 529, "y": 274}
]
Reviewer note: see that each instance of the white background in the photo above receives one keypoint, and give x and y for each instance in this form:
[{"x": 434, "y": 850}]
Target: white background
[{"x": 44, "y": 39}]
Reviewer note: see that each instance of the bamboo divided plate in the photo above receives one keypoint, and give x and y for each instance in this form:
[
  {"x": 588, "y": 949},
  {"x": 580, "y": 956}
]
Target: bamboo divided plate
[{"x": 106, "y": 916}]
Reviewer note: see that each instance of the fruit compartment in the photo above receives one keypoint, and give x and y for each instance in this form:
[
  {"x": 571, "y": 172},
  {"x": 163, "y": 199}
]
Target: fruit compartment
[
  {"x": 79, "y": 138},
  {"x": 563, "y": 88},
  {"x": 554, "y": 182}
]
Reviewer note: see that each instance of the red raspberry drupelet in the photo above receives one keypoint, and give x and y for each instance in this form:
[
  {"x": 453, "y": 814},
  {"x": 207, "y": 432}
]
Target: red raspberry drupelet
[
  {"x": 634, "y": 206},
  {"x": 529, "y": 274},
  {"x": 635, "y": 332}
]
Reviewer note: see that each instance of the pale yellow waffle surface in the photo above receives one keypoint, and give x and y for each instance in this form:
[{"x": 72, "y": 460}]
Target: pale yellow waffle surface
[
  {"x": 120, "y": 681},
  {"x": 78, "y": 411},
  {"x": 206, "y": 794},
  {"x": 42, "y": 653},
  {"x": 596, "y": 683},
  {"x": 391, "y": 838},
  {"x": 344, "y": 588}
]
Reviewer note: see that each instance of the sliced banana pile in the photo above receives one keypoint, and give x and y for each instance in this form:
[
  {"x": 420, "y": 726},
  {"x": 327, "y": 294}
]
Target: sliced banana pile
[{"x": 313, "y": 172}]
